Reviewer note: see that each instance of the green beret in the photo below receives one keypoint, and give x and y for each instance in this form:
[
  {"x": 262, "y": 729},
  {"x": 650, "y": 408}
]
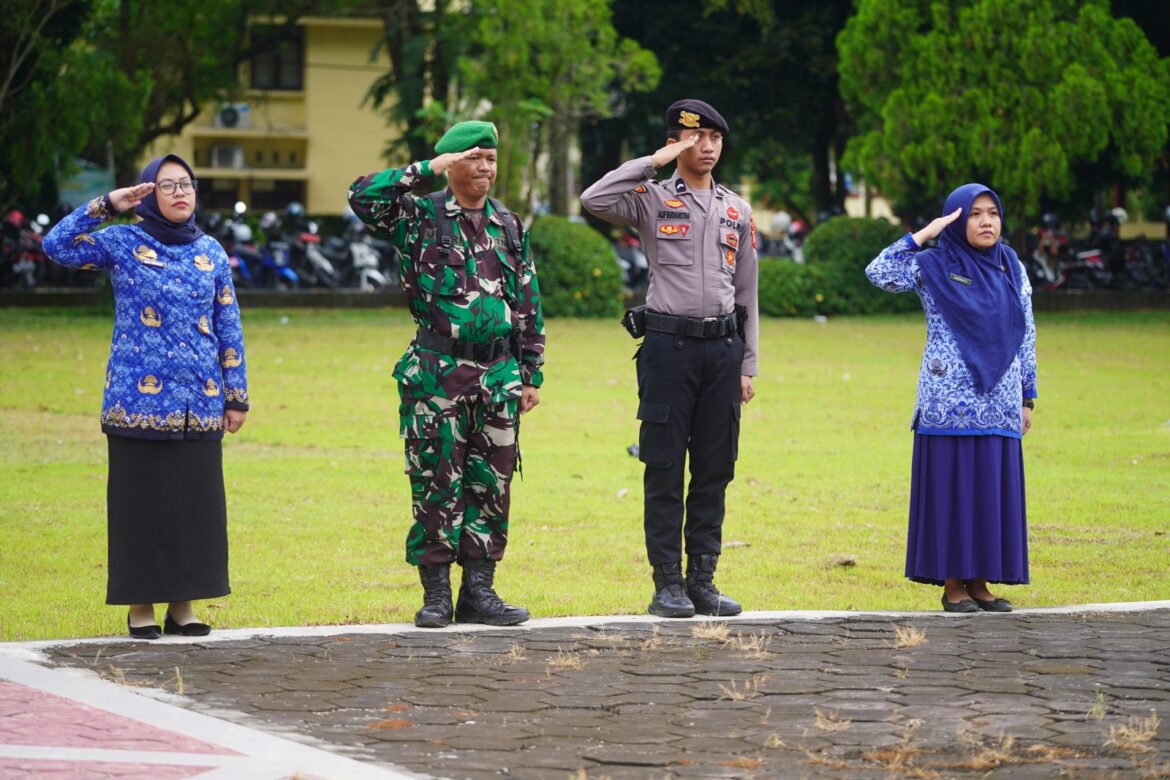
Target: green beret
[{"x": 468, "y": 135}]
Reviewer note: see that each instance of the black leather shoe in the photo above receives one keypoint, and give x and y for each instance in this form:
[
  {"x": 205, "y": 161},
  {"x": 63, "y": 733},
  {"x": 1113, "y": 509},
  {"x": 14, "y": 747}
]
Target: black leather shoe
[
  {"x": 478, "y": 602},
  {"x": 436, "y": 608},
  {"x": 143, "y": 632},
  {"x": 701, "y": 590},
  {"x": 965, "y": 606},
  {"x": 187, "y": 629},
  {"x": 670, "y": 594},
  {"x": 993, "y": 605}
]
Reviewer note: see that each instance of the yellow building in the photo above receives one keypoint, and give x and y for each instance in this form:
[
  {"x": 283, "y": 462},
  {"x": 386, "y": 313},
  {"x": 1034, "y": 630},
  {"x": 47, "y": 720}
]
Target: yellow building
[{"x": 299, "y": 132}]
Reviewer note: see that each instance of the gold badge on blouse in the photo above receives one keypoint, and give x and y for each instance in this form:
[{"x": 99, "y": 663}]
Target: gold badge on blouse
[
  {"x": 210, "y": 388},
  {"x": 148, "y": 256},
  {"x": 84, "y": 237},
  {"x": 230, "y": 358},
  {"x": 150, "y": 318},
  {"x": 225, "y": 296},
  {"x": 150, "y": 385},
  {"x": 204, "y": 326},
  {"x": 203, "y": 263}
]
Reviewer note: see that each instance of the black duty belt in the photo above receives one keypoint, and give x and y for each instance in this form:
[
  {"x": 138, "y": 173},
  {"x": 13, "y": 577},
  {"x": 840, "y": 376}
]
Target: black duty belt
[
  {"x": 481, "y": 352},
  {"x": 695, "y": 327}
]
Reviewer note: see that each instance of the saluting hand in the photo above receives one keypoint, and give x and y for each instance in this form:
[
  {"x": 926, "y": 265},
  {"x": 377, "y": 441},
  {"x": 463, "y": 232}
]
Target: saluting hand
[
  {"x": 671, "y": 151},
  {"x": 129, "y": 197},
  {"x": 443, "y": 162},
  {"x": 935, "y": 227}
]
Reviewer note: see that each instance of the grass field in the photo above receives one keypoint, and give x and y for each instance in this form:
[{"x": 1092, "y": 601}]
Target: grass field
[{"x": 318, "y": 504}]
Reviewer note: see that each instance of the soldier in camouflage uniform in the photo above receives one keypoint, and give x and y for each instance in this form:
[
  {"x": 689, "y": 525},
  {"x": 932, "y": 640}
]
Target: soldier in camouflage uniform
[{"x": 472, "y": 368}]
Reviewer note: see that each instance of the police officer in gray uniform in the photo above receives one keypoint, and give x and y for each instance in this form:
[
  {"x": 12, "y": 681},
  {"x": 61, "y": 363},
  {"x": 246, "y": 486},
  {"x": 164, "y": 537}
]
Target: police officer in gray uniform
[{"x": 696, "y": 364}]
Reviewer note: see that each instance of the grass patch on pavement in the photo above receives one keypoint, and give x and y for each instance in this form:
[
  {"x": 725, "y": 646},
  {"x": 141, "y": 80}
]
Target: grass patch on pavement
[{"x": 318, "y": 504}]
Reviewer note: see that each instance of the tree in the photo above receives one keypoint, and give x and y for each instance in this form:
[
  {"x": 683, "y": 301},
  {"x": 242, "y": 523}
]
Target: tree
[
  {"x": 1046, "y": 102},
  {"x": 424, "y": 47},
  {"x": 35, "y": 120},
  {"x": 769, "y": 66},
  {"x": 546, "y": 65}
]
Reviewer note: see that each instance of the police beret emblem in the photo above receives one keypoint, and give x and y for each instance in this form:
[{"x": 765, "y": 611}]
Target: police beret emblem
[{"x": 687, "y": 119}]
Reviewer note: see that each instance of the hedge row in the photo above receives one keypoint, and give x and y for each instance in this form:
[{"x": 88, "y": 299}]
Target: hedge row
[{"x": 579, "y": 276}]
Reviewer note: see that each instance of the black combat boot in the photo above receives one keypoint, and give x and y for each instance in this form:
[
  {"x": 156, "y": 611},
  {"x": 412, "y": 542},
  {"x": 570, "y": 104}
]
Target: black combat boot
[
  {"x": 478, "y": 602},
  {"x": 436, "y": 609},
  {"x": 701, "y": 587},
  {"x": 670, "y": 597}
]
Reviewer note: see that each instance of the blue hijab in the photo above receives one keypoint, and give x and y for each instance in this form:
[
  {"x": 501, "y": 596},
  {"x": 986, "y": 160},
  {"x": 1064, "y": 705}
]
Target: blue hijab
[
  {"x": 977, "y": 292},
  {"x": 153, "y": 222}
]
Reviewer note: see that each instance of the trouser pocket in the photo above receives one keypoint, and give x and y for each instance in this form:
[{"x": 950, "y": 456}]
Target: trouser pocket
[{"x": 655, "y": 441}]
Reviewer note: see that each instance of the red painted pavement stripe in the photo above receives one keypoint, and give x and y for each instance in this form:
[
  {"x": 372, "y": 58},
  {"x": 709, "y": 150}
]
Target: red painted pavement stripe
[{"x": 35, "y": 718}]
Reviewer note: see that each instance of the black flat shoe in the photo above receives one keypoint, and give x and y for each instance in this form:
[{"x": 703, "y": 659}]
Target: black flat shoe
[
  {"x": 966, "y": 605},
  {"x": 143, "y": 632},
  {"x": 993, "y": 605},
  {"x": 187, "y": 629}
]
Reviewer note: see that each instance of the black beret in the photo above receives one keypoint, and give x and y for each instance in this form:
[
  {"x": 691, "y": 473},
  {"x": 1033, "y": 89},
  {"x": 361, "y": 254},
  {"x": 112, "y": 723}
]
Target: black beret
[{"x": 690, "y": 114}]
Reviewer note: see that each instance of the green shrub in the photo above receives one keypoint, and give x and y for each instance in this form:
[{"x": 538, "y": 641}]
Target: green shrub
[
  {"x": 836, "y": 254},
  {"x": 576, "y": 269}
]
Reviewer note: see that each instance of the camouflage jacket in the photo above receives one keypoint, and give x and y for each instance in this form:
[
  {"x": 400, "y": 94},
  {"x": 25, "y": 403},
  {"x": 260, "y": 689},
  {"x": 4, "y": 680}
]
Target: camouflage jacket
[{"x": 479, "y": 293}]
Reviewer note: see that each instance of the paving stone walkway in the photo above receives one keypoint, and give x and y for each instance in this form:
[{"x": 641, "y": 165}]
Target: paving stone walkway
[{"x": 1037, "y": 693}]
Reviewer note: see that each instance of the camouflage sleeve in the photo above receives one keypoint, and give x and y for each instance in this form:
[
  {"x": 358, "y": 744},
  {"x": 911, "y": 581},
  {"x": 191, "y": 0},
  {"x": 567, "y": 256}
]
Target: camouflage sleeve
[
  {"x": 229, "y": 335},
  {"x": 383, "y": 200},
  {"x": 531, "y": 321},
  {"x": 76, "y": 241}
]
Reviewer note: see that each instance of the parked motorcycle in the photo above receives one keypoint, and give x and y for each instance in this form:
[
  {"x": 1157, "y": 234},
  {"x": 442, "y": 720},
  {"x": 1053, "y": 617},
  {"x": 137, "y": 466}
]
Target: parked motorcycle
[
  {"x": 631, "y": 258},
  {"x": 22, "y": 260}
]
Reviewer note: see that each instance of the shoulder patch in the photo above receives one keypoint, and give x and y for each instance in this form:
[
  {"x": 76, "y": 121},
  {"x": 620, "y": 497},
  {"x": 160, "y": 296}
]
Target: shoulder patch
[{"x": 640, "y": 189}]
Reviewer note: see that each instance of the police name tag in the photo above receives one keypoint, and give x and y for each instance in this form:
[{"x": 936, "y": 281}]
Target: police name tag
[{"x": 960, "y": 279}]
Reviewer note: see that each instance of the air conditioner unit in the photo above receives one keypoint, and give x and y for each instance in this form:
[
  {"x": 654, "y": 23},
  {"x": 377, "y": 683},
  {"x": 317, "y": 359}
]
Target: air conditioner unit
[
  {"x": 227, "y": 156},
  {"x": 233, "y": 115}
]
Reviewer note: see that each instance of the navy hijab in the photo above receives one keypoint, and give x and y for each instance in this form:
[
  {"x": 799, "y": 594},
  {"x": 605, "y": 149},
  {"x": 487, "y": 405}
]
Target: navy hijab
[
  {"x": 153, "y": 222},
  {"x": 977, "y": 292}
]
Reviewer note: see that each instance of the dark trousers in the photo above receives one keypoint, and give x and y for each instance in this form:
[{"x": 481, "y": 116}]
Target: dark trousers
[{"x": 688, "y": 393}]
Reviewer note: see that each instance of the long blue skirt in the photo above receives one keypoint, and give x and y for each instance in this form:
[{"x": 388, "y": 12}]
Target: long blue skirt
[{"x": 967, "y": 513}]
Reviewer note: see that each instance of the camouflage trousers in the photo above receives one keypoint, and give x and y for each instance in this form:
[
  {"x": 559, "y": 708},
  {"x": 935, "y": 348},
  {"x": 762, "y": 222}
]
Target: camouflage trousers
[{"x": 460, "y": 455}]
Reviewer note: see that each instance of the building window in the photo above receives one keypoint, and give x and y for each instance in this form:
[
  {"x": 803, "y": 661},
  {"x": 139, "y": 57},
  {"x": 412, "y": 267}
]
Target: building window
[{"x": 281, "y": 65}]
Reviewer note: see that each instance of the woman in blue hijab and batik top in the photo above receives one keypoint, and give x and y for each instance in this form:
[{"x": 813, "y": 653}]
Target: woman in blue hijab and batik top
[
  {"x": 968, "y": 523},
  {"x": 175, "y": 382}
]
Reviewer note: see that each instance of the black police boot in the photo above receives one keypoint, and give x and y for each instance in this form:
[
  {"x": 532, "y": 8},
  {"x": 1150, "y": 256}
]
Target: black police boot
[
  {"x": 670, "y": 597},
  {"x": 478, "y": 602},
  {"x": 701, "y": 587},
  {"x": 436, "y": 609}
]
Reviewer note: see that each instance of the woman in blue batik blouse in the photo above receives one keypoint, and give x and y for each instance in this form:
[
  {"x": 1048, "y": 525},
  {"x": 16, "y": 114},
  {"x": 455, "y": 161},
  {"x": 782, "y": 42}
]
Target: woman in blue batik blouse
[
  {"x": 175, "y": 382},
  {"x": 968, "y": 524}
]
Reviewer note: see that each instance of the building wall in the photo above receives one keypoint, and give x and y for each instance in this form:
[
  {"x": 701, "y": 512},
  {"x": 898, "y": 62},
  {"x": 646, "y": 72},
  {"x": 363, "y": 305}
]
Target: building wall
[{"x": 307, "y": 144}]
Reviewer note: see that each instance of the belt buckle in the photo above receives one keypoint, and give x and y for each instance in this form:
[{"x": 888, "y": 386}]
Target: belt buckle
[{"x": 710, "y": 327}]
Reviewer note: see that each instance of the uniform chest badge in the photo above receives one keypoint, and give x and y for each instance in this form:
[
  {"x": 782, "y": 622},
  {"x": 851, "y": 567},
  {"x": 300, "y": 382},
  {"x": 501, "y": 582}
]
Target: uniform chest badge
[
  {"x": 150, "y": 318},
  {"x": 732, "y": 212},
  {"x": 731, "y": 239},
  {"x": 210, "y": 388},
  {"x": 673, "y": 203},
  {"x": 148, "y": 256},
  {"x": 150, "y": 385},
  {"x": 730, "y": 257},
  {"x": 679, "y": 230},
  {"x": 203, "y": 263},
  {"x": 225, "y": 296},
  {"x": 204, "y": 326},
  {"x": 230, "y": 358}
]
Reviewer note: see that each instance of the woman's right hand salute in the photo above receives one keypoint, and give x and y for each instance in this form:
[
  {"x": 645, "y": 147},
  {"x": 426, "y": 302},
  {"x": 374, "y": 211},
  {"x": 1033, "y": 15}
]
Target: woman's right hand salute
[
  {"x": 129, "y": 197},
  {"x": 935, "y": 227}
]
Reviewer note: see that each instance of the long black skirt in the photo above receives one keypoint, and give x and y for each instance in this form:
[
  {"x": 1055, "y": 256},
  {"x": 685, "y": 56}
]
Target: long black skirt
[{"x": 167, "y": 521}]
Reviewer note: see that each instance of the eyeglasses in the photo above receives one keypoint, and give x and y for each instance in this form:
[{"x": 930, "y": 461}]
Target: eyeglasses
[{"x": 167, "y": 187}]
